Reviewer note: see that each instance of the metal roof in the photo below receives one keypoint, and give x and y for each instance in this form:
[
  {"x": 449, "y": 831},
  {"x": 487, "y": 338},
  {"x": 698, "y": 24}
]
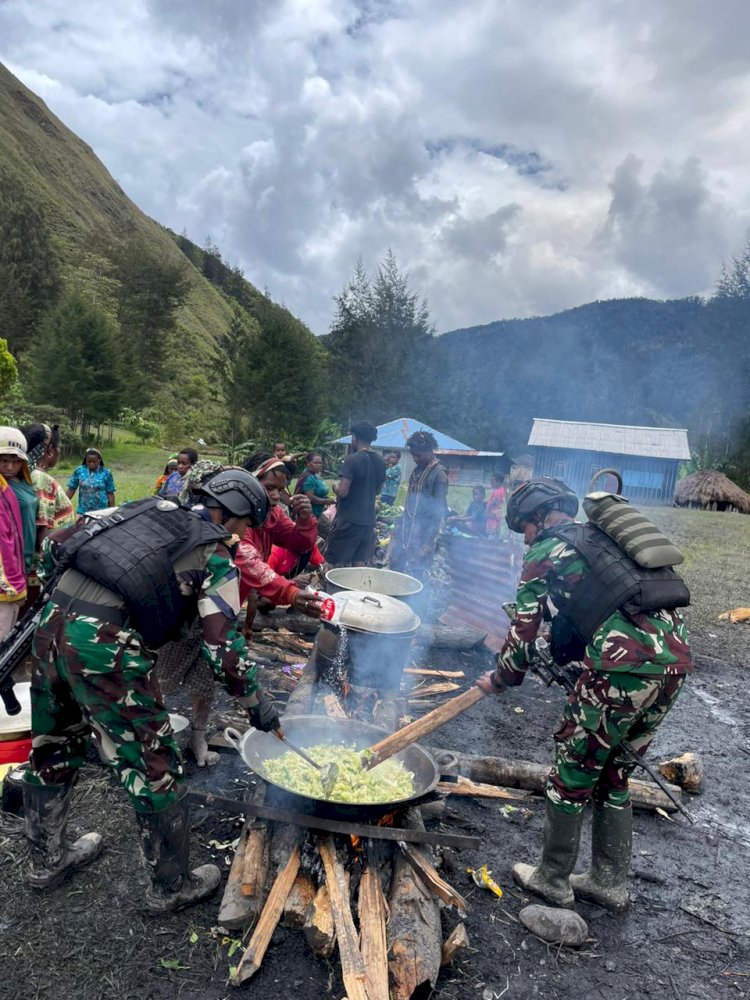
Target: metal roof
[
  {"x": 395, "y": 432},
  {"x": 617, "y": 439}
]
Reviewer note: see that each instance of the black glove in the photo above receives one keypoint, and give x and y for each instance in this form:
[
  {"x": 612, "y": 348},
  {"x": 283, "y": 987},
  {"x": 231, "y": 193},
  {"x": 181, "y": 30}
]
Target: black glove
[{"x": 263, "y": 715}]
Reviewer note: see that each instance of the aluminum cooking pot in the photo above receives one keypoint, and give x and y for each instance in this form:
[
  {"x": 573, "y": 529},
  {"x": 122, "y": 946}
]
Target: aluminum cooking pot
[
  {"x": 373, "y": 580},
  {"x": 376, "y": 613},
  {"x": 256, "y": 747}
]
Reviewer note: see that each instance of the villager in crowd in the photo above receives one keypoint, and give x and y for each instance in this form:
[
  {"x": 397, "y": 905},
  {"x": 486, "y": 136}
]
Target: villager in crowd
[
  {"x": 635, "y": 659},
  {"x": 311, "y": 485},
  {"x": 131, "y": 579},
  {"x": 94, "y": 482},
  {"x": 414, "y": 537},
  {"x": 173, "y": 484},
  {"x": 352, "y": 537},
  {"x": 12, "y": 560},
  {"x": 14, "y": 467},
  {"x": 495, "y": 518},
  {"x": 473, "y": 521},
  {"x": 392, "y": 478},
  {"x": 169, "y": 468},
  {"x": 54, "y": 508}
]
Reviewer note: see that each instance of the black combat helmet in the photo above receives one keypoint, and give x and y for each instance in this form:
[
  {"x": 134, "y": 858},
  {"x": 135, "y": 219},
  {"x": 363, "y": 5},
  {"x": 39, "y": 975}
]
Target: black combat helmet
[
  {"x": 238, "y": 492},
  {"x": 536, "y": 493}
]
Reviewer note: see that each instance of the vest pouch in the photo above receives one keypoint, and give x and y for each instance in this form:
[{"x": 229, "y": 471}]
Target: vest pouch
[
  {"x": 566, "y": 645},
  {"x": 636, "y": 535}
]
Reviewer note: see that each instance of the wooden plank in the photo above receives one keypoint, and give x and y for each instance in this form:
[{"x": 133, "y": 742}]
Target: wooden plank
[
  {"x": 432, "y": 878},
  {"x": 350, "y": 957},
  {"x": 413, "y": 835},
  {"x": 428, "y": 690},
  {"x": 372, "y": 911},
  {"x": 333, "y": 707},
  {"x": 319, "y": 928},
  {"x": 429, "y": 672},
  {"x": 475, "y": 789},
  {"x": 269, "y": 918},
  {"x": 235, "y": 910},
  {"x": 255, "y": 862}
]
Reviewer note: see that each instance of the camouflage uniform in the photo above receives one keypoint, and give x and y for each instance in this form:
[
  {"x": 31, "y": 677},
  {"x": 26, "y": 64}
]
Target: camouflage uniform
[
  {"x": 94, "y": 677},
  {"x": 633, "y": 670}
]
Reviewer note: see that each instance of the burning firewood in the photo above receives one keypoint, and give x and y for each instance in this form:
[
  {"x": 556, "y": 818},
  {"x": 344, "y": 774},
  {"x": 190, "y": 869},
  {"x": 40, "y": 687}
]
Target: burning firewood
[
  {"x": 352, "y": 964},
  {"x": 373, "y": 912},
  {"x": 319, "y": 928},
  {"x": 432, "y": 879},
  {"x": 269, "y": 918},
  {"x": 298, "y": 902}
]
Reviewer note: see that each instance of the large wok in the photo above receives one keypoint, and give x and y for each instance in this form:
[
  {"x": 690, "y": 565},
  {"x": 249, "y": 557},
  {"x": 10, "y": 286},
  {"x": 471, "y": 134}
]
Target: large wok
[{"x": 256, "y": 747}]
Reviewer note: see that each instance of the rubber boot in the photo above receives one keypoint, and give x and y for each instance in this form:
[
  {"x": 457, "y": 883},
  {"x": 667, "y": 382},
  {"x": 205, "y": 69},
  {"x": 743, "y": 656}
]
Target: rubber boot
[
  {"x": 165, "y": 843},
  {"x": 606, "y": 881},
  {"x": 551, "y": 877},
  {"x": 46, "y": 809}
]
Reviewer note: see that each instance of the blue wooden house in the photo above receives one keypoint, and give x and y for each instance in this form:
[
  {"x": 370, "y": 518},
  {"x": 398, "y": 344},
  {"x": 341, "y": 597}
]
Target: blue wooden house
[{"x": 647, "y": 458}]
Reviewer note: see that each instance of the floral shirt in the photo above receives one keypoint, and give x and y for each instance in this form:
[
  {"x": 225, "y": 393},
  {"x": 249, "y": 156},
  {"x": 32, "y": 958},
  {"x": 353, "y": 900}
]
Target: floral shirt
[
  {"x": 92, "y": 487},
  {"x": 55, "y": 510}
]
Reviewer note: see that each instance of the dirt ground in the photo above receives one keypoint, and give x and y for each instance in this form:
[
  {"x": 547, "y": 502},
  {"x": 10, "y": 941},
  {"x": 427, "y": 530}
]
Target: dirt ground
[{"x": 687, "y": 934}]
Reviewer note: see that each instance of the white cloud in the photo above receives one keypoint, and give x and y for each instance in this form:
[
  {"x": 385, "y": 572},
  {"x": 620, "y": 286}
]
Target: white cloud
[{"x": 517, "y": 158}]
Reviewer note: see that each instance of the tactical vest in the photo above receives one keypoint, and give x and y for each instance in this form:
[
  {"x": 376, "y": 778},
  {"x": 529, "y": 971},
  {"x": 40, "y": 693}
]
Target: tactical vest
[
  {"x": 132, "y": 552},
  {"x": 614, "y": 582}
]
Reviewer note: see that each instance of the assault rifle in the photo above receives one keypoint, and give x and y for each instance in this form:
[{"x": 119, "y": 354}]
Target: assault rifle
[
  {"x": 16, "y": 646},
  {"x": 547, "y": 670}
]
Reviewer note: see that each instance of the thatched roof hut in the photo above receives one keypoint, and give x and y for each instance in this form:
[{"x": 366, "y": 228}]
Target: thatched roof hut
[{"x": 711, "y": 490}]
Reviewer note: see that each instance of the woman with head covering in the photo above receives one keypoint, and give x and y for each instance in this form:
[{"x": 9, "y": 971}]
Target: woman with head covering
[
  {"x": 173, "y": 484},
  {"x": 169, "y": 468},
  {"x": 94, "y": 482},
  {"x": 17, "y": 524},
  {"x": 55, "y": 509},
  {"x": 257, "y": 578}
]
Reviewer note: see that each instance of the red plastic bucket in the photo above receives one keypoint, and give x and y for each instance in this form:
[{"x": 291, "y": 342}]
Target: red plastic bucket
[{"x": 15, "y": 751}]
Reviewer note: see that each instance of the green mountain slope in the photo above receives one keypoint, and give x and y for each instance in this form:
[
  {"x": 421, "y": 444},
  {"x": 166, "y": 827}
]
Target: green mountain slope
[{"x": 85, "y": 209}]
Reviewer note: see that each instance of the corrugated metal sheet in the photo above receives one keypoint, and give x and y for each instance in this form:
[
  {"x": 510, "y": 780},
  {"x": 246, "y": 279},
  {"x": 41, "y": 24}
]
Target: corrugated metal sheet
[
  {"x": 395, "y": 432},
  {"x": 484, "y": 573},
  {"x": 652, "y": 442}
]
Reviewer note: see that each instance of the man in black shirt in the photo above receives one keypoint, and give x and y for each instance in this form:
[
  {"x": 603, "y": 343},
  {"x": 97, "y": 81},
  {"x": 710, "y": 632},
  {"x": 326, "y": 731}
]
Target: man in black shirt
[{"x": 361, "y": 480}]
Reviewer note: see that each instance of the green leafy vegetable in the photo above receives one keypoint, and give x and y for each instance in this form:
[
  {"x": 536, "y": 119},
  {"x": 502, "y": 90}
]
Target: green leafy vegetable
[{"x": 387, "y": 782}]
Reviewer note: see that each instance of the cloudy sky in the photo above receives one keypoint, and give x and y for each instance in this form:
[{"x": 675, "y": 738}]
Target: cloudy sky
[{"x": 518, "y": 156}]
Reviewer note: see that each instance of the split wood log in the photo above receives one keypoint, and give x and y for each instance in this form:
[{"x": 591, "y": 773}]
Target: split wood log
[
  {"x": 526, "y": 774},
  {"x": 271, "y": 654},
  {"x": 350, "y": 957},
  {"x": 685, "y": 771},
  {"x": 300, "y": 624},
  {"x": 414, "y": 936},
  {"x": 256, "y": 854},
  {"x": 239, "y": 909},
  {"x": 432, "y": 879},
  {"x": 269, "y": 918},
  {"x": 465, "y": 786},
  {"x": 456, "y": 941},
  {"x": 319, "y": 928},
  {"x": 373, "y": 913},
  {"x": 429, "y": 672},
  {"x": 301, "y": 698},
  {"x": 333, "y": 707},
  {"x": 450, "y": 637},
  {"x": 299, "y": 901},
  {"x": 428, "y": 690}
]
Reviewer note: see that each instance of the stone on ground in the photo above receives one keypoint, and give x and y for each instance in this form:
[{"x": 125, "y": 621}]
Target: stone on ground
[{"x": 555, "y": 925}]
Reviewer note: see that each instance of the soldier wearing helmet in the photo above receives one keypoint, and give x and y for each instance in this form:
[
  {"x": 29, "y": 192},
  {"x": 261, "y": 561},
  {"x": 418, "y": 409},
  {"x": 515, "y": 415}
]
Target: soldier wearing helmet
[
  {"x": 128, "y": 580},
  {"x": 635, "y": 657}
]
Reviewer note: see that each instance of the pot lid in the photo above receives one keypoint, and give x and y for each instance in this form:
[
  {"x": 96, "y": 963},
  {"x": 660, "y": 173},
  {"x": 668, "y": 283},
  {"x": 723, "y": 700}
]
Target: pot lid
[{"x": 379, "y": 613}]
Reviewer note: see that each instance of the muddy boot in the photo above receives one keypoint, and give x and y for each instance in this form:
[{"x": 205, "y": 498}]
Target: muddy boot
[
  {"x": 551, "y": 877},
  {"x": 46, "y": 808},
  {"x": 606, "y": 881},
  {"x": 165, "y": 843}
]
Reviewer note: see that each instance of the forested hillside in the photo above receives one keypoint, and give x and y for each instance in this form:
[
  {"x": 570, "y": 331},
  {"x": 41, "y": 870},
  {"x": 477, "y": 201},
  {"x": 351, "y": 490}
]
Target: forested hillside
[{"x": 111, "y": 316}]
